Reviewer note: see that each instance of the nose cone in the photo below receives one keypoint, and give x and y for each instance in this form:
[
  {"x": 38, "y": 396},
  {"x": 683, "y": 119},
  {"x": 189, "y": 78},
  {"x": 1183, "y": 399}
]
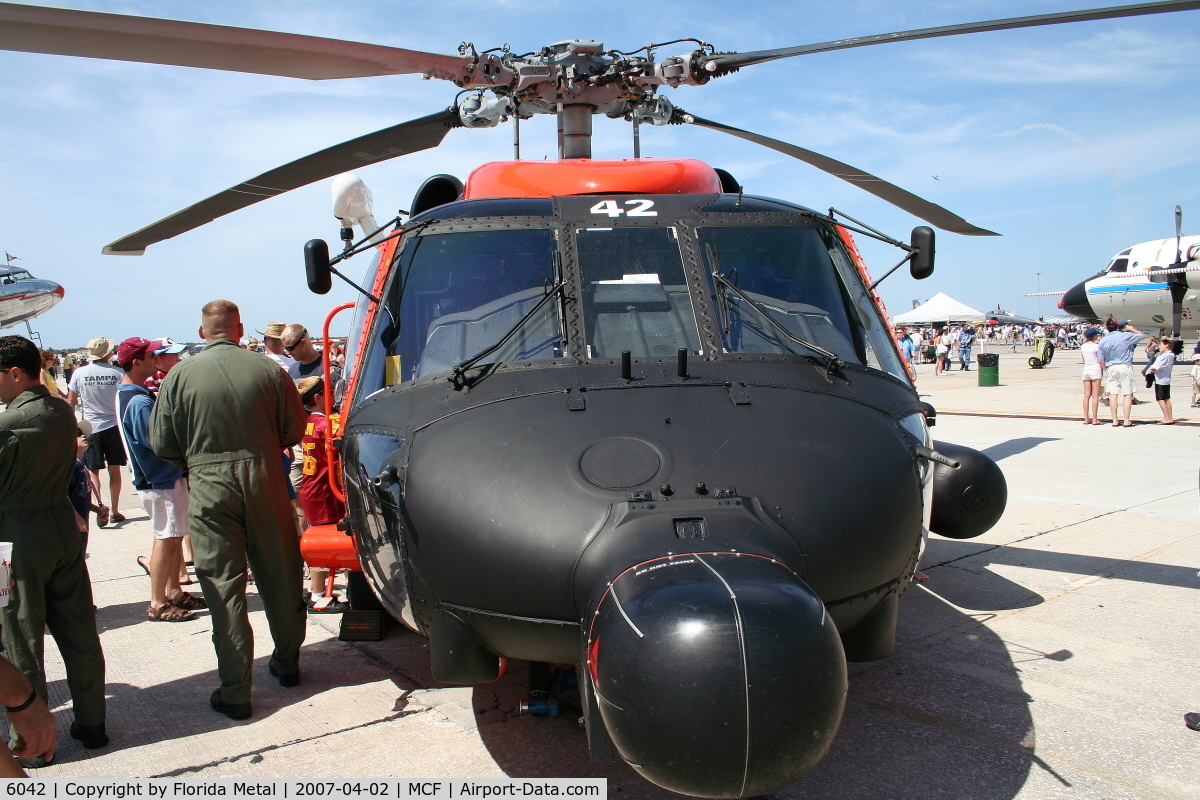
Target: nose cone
[
  {"x": 60, "y": 291},
  {"x": 1076, "y": 302},
  {"x": 717, "y": 674}
]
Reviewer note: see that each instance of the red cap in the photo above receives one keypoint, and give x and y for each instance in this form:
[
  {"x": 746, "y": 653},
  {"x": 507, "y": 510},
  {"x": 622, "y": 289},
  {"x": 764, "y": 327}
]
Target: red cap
[{"x": 135, "y": 347}]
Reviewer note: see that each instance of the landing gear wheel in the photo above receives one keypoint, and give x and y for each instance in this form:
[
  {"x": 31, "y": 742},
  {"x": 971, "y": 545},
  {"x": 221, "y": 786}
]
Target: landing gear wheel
[{"x": 1036, "y": 362}]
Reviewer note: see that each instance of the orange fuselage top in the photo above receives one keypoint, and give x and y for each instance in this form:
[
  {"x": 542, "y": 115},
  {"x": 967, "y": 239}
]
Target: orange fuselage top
[{"x": 586, "y": 176}]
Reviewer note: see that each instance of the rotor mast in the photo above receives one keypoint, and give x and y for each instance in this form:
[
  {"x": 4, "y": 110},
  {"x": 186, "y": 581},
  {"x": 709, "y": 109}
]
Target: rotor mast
[{"x": 575, "y": 131}]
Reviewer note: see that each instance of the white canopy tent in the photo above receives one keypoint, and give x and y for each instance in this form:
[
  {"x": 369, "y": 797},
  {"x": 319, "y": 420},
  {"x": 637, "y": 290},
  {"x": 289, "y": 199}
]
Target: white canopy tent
[{"x": 940, "y": 308}]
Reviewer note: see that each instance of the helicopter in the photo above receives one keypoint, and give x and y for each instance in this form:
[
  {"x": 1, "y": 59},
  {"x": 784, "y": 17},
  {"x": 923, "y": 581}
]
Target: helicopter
[{"x": 617, "y": 414}]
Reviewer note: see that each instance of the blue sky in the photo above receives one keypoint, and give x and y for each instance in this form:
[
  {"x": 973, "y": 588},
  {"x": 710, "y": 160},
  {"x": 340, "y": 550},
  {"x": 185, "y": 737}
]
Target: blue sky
[{"x": 1073, "y": 141}]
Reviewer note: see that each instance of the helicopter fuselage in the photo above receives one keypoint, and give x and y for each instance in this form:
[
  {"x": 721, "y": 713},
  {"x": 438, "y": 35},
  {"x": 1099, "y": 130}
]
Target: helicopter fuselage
[{"x": 689, "y": 460}]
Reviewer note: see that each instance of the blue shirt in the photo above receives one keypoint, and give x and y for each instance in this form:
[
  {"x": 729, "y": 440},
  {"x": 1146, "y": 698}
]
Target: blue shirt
[
  {"x": 80, "y": 491},
  {"x": 1117, "y": 347},
  {"x": 134, "y": 404}
]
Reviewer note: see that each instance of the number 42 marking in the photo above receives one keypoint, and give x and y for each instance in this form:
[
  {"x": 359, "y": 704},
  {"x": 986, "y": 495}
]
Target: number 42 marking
[{"x": 641, "y": 208}]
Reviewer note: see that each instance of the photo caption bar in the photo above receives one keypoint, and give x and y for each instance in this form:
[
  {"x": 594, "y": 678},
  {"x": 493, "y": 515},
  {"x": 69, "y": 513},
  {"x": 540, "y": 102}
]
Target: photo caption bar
[{"x": 391, "y": 789}]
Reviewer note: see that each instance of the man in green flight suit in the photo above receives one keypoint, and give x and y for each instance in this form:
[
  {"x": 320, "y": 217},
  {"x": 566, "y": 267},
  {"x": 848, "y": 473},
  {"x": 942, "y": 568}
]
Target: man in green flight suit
[
  {"x": 227, "y": 414},
  {"x": 38, "y": 436}
]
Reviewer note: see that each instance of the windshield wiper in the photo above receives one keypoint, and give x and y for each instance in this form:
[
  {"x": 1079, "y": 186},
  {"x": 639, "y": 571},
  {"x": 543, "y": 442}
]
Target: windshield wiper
[
  {"x": 458, "y": 374},
  {"x": 832, "y": 361}
]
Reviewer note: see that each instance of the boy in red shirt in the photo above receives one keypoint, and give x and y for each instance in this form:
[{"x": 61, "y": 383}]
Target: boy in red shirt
[{"x": 321, "y": 505}]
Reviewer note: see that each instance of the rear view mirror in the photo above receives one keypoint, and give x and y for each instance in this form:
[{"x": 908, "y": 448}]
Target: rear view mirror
[
  {"x": 921, "y": 266},
  {"x": 316, "y": 266}
]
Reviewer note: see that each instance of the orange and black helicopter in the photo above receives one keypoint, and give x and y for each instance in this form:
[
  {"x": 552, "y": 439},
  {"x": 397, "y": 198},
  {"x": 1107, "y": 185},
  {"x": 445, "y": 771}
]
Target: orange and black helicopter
[{"x": 619, "y": 415}]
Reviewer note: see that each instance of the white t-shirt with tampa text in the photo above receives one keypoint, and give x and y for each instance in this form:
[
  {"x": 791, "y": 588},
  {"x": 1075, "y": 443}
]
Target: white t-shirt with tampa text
[{"x": 96, "y": 385}]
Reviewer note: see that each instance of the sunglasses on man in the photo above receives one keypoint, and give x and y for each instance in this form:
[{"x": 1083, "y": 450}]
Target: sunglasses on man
[{"x": 287, "y": 348}]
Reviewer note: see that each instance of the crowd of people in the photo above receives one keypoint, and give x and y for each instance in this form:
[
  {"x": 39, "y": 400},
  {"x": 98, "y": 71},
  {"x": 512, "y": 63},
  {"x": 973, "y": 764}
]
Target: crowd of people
[
  {"x": 229, "y": 500},
  {"x": 945, "y": 344},
  {"x": 1107, "y": 355},
  {"x": 1108, "y": 364}
]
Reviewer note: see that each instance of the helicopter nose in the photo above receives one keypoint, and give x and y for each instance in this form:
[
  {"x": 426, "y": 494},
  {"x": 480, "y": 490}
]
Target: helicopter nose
[
  {"x": 1075, "y": 302},
  {"x": 716, "y": 674}
]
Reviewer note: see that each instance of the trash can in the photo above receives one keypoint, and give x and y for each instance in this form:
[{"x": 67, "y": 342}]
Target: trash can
[{"x": 989, "y": 369}]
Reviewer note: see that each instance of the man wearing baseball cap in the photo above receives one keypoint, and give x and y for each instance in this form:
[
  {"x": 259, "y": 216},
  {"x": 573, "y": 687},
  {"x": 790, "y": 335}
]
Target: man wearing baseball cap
[
  {"x": 161, "y": 486},
  {"x": 1116, "y": 351},
  {"x": 165, "y": 357},
  {"x": 95, "y": 388}
]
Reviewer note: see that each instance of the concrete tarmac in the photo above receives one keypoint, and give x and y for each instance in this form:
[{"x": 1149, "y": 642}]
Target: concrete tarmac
[{"x": 1052, "y": 657}]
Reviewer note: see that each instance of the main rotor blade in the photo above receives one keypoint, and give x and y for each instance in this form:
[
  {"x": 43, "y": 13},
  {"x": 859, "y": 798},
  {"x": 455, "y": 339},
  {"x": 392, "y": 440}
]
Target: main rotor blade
[
  {"x": 734, "y": 60},
  {"x": 930, "y": 212},
  {"x": 398, "y": 140},
  {"x": 93, "y": 34}
]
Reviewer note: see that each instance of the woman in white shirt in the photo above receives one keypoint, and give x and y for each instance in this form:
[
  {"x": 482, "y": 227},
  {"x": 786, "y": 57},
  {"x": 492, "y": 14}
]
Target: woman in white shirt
[
  {"x": 941, "y": 352},
  {"x": 1093, "y": 370},
  {"x": 1161, "y": 368}
]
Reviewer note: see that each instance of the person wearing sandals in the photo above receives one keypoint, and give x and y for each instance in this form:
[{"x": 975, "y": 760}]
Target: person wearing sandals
[
  {"x": 1116, "y": 351},
  {"x": 160, "y": 485},
  {"x": 52, "y": 589},
  {"x": 1093, "y": 371},
  {"x": 1161, "y": 370},
  {"x": 94, "y": 388}
]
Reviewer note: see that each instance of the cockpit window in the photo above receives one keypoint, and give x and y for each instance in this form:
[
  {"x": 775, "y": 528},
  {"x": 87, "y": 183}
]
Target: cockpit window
[
  {"x": 635, "y": 294},
  {"x": 788, "y": 272},
  {"x": 1119, "y": 265},
  {"x": 455, "y": 295},
  {"x": 807, "y": 284}
]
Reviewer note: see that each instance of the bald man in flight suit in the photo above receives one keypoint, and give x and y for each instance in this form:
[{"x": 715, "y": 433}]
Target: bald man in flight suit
[{"x": 226, "y": 414}]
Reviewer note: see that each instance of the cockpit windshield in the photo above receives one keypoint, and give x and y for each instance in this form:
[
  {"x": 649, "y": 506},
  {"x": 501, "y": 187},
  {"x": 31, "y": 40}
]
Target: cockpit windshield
[
  {"x": 786, "y": 290},
  {"x": 635, "y": 293},
  {"x": 457, "y": 295},
  {"x": 16, "y": 275},
  {"x": 787, "y": 271}
]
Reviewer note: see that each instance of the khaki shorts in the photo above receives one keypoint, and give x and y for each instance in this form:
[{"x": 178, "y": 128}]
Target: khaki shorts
[
  {"x": 168, "y": 510},
  {"x": 1118, "y": 378}
]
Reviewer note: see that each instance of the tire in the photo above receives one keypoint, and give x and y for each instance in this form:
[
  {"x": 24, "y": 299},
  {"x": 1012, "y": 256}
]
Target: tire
[{"x": 1035, "y": 362}]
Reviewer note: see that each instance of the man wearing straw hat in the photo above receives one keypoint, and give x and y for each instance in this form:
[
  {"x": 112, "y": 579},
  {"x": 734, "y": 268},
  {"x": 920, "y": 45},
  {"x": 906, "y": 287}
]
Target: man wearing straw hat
[
  {"x": 273, "y": 344},
  {"x": 94, "y": 387}
]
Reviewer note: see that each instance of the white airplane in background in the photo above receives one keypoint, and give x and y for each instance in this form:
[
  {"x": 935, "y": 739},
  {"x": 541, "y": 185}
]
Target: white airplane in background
[
  {"x": 23, "y": 297},
  {"x": 1153, "y": 285}
]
